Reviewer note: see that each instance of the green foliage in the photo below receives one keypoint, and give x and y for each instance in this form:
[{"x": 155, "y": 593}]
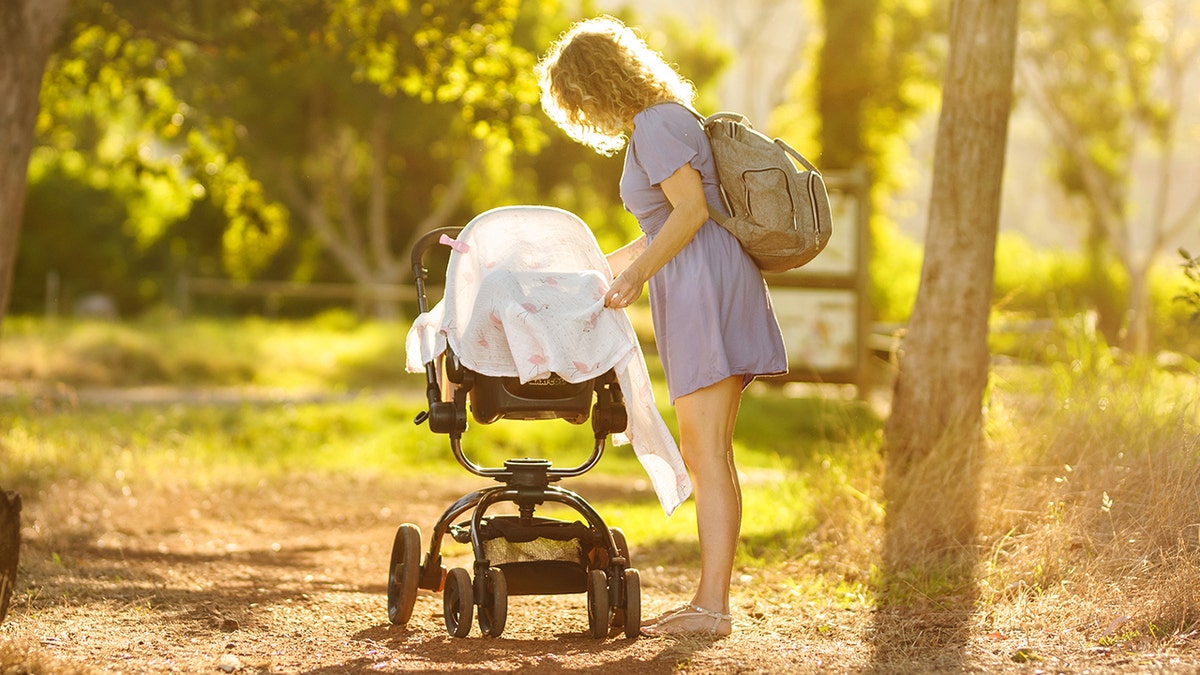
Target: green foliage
[
  {"x": 339, "y": 112},
  {"x": 895, "y": 269},
  {"x": 307, "y": 140},
  {"x": 1190, "y": 295},
  {"x": 1035, "y": 287},
  {"x": 1041, "y": 282},
  {"x": 909, "y": 55},
  {"x": 1109, "y": 81},
  {"x": 1096, "y": 65},
  {"x": 878, "y": 71},
  {"x": 58, "y": 200}
]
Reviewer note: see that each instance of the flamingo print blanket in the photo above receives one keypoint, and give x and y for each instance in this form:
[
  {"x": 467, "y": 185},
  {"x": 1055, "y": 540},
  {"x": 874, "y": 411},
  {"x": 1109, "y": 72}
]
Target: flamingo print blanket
[{"x": 525, "y": 297}]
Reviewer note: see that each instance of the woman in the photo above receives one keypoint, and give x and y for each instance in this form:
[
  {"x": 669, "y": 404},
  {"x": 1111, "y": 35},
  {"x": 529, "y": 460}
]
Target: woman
[{"x": 712, "y": 316}]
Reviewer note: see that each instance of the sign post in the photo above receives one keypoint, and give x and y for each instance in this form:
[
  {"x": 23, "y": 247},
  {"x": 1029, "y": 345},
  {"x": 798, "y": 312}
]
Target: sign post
[{"x": 824, "y": 308}]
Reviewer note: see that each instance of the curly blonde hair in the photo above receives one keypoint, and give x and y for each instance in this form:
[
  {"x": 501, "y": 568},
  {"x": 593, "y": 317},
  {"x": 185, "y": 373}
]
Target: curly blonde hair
[{"x": 598, "y": 75}]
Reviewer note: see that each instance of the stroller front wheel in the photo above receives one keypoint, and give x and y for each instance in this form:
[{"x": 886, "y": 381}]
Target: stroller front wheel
[
  {"x": 403, "y": 573},
  {"x": 458, "y": 602}
]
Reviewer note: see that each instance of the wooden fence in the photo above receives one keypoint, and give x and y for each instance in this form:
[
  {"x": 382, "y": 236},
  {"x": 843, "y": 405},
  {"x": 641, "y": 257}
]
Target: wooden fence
[{"x": 273, "y": 293}]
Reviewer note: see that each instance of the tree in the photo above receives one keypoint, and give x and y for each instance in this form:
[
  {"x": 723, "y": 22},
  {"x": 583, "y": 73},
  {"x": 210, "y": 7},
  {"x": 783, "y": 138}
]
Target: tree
[
  {"x": 365, "y": 121},
  {"x": 877, "y": 70},
  {"x": 933, "y": 436},
  {"x": 28, "y": 30},
  {"x": 1109, "y": 81},
  {"x": 845, "y": 77},
  {"x": 319, "y": 113}
]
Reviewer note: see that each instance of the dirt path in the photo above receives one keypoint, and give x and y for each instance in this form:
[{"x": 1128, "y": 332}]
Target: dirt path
[{"x": 293, "y": 581}]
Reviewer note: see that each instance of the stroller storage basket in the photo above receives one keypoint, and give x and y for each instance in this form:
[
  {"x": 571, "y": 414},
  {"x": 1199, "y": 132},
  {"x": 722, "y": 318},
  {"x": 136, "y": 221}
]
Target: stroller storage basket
[{"x": 543, "y": 556}]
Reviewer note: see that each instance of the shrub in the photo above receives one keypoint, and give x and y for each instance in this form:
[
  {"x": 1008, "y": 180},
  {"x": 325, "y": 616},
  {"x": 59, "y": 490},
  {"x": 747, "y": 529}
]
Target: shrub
[{"x": 1191, "y": 292}]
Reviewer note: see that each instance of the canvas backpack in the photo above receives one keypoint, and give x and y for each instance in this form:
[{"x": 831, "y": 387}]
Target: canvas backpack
[{"x": 781, "y": 213}]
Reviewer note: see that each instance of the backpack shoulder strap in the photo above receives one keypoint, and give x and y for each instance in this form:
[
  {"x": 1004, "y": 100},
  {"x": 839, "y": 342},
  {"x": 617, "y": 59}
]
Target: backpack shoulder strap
[
  {"x": 713, "y": 213},
  {"x": 716, "y": 215}
]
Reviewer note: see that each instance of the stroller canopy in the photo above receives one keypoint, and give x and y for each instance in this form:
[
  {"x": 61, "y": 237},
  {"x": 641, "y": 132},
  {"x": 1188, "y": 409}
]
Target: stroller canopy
[{"x": 525, "y": 297}]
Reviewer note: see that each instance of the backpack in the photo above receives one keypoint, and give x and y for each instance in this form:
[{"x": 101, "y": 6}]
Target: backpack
[{"x": 781, "y": 213}]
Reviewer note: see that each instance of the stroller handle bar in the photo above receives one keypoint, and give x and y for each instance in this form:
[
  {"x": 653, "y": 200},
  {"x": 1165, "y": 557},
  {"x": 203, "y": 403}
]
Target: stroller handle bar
[{"x": 419, "y": 249}]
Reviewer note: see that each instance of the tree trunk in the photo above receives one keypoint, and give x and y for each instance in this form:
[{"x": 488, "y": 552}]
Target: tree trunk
[
  {"x": 28, "y": 29},
  {"x": 934, "y": 434},
  {"x": 1137, "y": 327},
  {"x": 843, "y": 87},
  {"x": 10, "y": 546}
]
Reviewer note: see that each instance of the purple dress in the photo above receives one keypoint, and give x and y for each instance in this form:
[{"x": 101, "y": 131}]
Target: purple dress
[{"x": 711, "y": 309}]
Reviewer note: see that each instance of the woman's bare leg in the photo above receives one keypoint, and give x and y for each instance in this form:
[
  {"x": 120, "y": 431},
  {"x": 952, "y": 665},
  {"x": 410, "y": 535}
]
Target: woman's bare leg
[{"x": 706, "y": 421}]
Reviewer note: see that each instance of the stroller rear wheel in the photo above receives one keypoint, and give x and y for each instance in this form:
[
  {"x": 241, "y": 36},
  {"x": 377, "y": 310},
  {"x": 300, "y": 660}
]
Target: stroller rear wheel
[
  {"x": 493, "y": 606},
  {"x": 458, "y": 602},
  {"x": 633, "y": 603},
  {"x": 597, "y": 604},
  {"x": 403, "y": 573}
]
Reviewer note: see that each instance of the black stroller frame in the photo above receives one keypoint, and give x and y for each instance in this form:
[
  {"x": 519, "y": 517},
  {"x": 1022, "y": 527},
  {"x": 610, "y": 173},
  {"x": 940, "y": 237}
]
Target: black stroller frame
[{"x": 520, "y": 554}]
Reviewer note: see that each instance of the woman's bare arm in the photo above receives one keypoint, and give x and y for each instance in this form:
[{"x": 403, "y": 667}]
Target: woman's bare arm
[
  {"x": 623, "y": 257},
  {"x": 689, "y": 211}
]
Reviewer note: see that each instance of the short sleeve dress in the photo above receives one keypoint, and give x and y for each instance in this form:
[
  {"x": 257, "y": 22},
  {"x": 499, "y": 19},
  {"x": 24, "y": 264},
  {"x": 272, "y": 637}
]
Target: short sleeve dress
[{"x": 711, "y": 308}]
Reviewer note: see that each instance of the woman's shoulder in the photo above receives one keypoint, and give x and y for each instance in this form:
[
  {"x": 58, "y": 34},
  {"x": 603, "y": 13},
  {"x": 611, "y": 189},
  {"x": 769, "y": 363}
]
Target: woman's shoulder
[
  {"x": 667, "y": 119},
  {"x": 667, "y": 112}
]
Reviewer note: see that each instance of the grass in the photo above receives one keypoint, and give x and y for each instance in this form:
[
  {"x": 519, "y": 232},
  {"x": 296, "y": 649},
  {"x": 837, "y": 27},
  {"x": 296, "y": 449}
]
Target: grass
[
  {"x": 1095, "y": 496},
  {"x": 1089, "y": 507},
  {"x": 334, "y": 351}
]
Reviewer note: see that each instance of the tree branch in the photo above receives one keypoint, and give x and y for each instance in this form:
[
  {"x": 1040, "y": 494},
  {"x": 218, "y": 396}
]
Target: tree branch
[
  {"x": 343, "y": 176},
  {"x": 453, "y": 195},
  {"x": 377, "y": 231},
  {"x": 313, "y": 213},
  {"x": 1109, "y": 213}
]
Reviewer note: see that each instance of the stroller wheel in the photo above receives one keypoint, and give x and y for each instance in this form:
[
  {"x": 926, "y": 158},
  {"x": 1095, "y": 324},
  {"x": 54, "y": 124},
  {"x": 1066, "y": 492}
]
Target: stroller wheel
[
  {"x": 403, "y": 573},
  {"x": 493, "y": 607},
  {"x": 458, "y": 602},
  {"x": 597, "y": 604},
  {"x": 633, "y": 603}
]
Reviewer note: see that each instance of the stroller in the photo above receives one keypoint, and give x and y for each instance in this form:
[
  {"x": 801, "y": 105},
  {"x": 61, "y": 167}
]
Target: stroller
[{"x": 522, "y": 553}]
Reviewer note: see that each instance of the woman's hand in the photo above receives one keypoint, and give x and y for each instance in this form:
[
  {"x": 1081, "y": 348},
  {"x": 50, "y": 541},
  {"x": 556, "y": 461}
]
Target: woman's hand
[{"x": 623, "y": 292}]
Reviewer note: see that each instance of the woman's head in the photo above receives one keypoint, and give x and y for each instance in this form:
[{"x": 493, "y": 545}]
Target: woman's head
[{"x": 598, "y": 75}]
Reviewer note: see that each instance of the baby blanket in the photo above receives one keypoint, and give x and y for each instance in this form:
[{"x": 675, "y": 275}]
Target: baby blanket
[{"x": 525, "y": 297}]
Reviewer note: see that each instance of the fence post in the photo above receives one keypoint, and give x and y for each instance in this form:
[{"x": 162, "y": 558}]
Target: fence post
[
  {"x": 53, "y": 292},
  {"x": 183, "y": 297}
]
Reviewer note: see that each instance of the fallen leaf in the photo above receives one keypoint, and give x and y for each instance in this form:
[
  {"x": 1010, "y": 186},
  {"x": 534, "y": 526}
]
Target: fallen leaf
[{"x": 1115, "y": 624}]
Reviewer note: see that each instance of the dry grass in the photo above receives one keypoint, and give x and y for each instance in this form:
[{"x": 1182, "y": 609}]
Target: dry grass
[
  {"x": 23, "y": 660},
  {"x": 1091, "y": 516}
]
